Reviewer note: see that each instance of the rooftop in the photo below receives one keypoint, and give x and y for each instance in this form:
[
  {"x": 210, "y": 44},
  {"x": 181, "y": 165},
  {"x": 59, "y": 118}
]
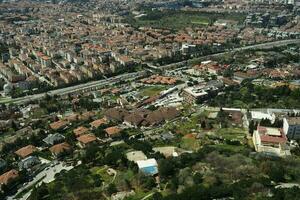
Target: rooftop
[
  {"x": 26, "y": 151},
  {"x": 98, "y": 122},
  {"x": 271, "y": 135},
  {"x": 58, "y": 125},
  {"x": 112, "y": 130},
  {"x": 60, "y": 148},
  {"x": 136, "y": 156},
  {"x": 88, "y": 138},
  {"x": 293, "y": 120},
  {"x": 80, "y": 131},
  {"x": 8, "y": 176}
]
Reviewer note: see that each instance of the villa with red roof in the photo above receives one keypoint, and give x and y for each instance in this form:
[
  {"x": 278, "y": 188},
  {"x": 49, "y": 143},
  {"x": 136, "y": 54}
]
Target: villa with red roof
[{"x": 271, "y": 141}]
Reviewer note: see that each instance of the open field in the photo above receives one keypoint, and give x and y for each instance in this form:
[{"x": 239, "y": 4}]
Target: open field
[
  {"x": 152, "y": 90},
  {"x": 231, "y": 133}
]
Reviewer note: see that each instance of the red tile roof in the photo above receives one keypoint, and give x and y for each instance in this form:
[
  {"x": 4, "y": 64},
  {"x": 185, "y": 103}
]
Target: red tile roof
[
  {"x": 58, "y": 125},
  {"x": 8, "y": 176},
  {"x": 270, "y": 138},
  {"x": 26, "y": 151},
  {"x": 113, "y": 130},
  {"x": 98, "y": 122},
  {"x": 60, "y": 148},
  {"x": 80, "y": 131},
  {"x": 88, "y": 138}
]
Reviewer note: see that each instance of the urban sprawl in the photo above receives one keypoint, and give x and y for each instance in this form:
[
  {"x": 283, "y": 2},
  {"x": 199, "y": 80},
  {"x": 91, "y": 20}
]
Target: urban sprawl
[{"x": 158, "y": 100}]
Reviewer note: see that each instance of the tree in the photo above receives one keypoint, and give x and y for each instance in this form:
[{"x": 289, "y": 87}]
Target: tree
[
  {"x": 274, "y": 170},
  {"x": 265, "y": 122},
  {"x": 143, "y": 146},
  {"x": 198, "y": 178},
  {"x": 203, "y": 124},
  {"x": 111, "y": 189},
  {"x": 251, "y": 127},
  {"x": 40, "y": 192},
  {"x": 147, "y": 182},
  {"x": 99, "y": 132},
  {"x": 97, "y": 180},
  {"x": 166, "y": 168},
  {"x": 157, "y": 196}
]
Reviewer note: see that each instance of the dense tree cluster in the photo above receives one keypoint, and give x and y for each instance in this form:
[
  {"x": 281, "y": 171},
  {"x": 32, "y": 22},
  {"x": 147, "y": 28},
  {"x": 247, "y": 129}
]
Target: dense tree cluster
[{"x": 252, "y": 96}]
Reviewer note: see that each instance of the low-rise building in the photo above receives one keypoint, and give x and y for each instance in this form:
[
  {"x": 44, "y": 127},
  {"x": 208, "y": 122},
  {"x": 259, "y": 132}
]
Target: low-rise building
[
  {"x": 80, "y": 131},
  {"x": 9, "y": 177},
  {"x": 148, "y": 167},
  {"x": 26, "y": 151},
  {"x": 113, "y": 131},
  {"x": 258, "y": 116},
  {"x": 95, "y": 124},
  {"x": 60, "y": 124},
  {"x": 135, "y": 156},
  {"x": 270, "y": 141},
  {"x": 59, "y": 149},
  {"x": 86, "y": 140},
  {"x": 53, "y": 139},
  {"x": 291, "y": 127},
  {"x": 30, "y": 163}
]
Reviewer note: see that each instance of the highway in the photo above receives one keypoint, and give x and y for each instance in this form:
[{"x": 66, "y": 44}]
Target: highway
[
  {"x": 97, "y": 84},
  {"x": 81, "y": 87},
  {"x": 267, "y": 45}
]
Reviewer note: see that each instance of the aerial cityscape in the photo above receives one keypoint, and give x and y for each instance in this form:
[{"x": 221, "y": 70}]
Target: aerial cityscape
[{"x": 149, "y": 99}]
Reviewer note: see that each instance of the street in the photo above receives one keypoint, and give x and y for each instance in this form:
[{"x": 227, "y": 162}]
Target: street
[
  {"x": 46, "y": 176},
  {"x": 72, "y": 89}
]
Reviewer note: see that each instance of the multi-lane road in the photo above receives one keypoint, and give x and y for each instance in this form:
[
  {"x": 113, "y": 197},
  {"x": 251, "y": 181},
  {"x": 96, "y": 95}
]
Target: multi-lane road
[
  {"x": 93, "y": 85},
  {"x": 267, "y": 45},
  {"x": 130, "y": 76}
]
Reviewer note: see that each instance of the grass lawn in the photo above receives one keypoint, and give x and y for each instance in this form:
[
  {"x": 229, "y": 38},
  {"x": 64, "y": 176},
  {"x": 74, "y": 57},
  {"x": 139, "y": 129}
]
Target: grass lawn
[
  {"x": 188, "y": 126},
  {"x": 102, "y": 172},
  {"x": 200, "y": 22},
  {"x": 190, "y": 144},
  {"x": 231, "y": 133},
  {"x": 152, "y": 90},
  {"x": 229, "y": 148}
]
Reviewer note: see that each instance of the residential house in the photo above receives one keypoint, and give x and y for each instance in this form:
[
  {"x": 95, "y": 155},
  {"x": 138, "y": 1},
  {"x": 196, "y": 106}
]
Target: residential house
[
  {"x": 113, "y": 131},
  {"x": 80, "y": 131},
  {"x": 30, "y": 163},
  {"x": 26, "y": 151},
  {"x": 86, "y": 140},
  {"x": 97, "y": 123},
  {"x": 53, "y": 139},
  {"x": 58, "y": 125},
  {"x": 134, "y": 119},
  {"x": 116, "y": 114},
  {"x": 9, "y": 177},
  {"x": 59, "y": 149}
]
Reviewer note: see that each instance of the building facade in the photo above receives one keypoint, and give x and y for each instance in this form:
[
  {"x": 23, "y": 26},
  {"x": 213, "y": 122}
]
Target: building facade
[{"x": 291, "y": 127}]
